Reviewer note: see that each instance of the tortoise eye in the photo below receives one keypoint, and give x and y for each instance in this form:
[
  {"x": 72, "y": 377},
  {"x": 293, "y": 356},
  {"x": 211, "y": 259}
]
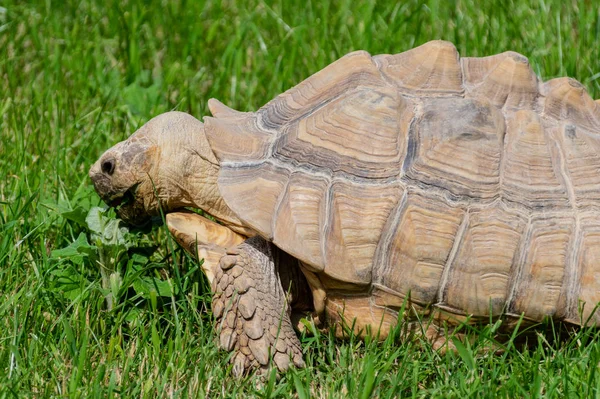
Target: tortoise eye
[{"x": 108, "y": 166}]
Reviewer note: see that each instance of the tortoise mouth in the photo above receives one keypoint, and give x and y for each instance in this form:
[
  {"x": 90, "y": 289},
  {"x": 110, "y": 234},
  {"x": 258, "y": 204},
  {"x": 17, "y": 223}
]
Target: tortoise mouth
[
  {"x": 122, "y": 199},
  {"x": 130, "y": 208},
  {"x": 128, "y": 205}
]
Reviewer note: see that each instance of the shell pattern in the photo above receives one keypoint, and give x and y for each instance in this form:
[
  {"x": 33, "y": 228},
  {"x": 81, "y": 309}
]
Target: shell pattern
[{"x": 466, "y": 182}]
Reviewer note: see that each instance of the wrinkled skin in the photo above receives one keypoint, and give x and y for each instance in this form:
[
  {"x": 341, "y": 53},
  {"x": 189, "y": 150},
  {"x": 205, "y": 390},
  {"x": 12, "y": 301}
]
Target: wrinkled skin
[{"x": 167, "y": 164}]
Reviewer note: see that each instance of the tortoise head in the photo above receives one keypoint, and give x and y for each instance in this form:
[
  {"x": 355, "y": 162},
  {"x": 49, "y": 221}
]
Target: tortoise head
[{"x": 166, "y": 164}]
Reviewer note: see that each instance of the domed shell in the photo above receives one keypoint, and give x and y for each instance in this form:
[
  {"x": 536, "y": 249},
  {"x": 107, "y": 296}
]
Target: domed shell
[{"x": 465, "y": 182}]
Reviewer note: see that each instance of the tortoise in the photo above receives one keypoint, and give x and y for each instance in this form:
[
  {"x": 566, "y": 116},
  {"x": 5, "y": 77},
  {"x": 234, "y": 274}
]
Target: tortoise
[{"x": 461, "y": 189}]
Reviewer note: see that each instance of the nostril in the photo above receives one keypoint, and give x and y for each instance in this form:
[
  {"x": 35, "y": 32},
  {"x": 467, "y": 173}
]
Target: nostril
[{"x": 108, "y": 166}]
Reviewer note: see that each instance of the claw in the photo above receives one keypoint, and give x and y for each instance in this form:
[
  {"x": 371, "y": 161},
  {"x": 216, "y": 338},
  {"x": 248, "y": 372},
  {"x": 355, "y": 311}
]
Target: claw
[
  {"x": 282, "y": 360},
  {"x": 239, "y": 365},
  {"x": 298, "y": 360}
]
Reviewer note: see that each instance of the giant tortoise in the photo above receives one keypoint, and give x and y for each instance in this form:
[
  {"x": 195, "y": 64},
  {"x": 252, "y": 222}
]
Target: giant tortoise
[{"x": 450, "y": 188}]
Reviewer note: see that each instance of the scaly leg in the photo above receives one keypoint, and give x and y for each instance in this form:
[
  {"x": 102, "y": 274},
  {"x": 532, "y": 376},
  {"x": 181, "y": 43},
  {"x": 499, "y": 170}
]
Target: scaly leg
[
  {"x": 249, "y": 302},
  {"x": 252, "y": 313}
]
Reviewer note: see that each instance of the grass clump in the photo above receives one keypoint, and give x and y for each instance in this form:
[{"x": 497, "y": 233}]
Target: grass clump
[{"x": 76, "y": 77}]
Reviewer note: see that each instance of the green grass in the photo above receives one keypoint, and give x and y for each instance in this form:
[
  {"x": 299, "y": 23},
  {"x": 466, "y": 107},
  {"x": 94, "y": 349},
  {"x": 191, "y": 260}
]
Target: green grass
[{"x": 78, "y": 76}]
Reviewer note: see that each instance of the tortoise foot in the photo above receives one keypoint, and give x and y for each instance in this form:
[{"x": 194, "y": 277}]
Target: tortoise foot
[{"x": 252, "y": 314}]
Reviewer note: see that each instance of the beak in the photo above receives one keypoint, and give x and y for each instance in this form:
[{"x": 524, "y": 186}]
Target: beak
[
  {"x": 100, "y": 173},
  {"x": 102, "y": 183}
]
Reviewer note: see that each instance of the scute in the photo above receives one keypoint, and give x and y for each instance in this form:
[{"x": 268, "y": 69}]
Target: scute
[
  {"x": 505, "y": 80},
  {"x": 237, "y": 138},
  {"x": 332, "y": 138},
  {"x": 423, "y": 261},
  {"x": 350, "y": 71},
  {"x": 357, "y": 216},
  {"x": 530, "y": 175},
  {"x": 254, "y": 192},
  {"x": 583, "y": 309},
  {"x": 539, "y": 279},
  {"x": 566, "y": 99},
  {"x": 580, "y": 154},
  {"x": 301, "y": 218},
  {"x": 457, "y": 146},
  {"x": 478, "y": 281},
  {"x": 430, "y": 69}
]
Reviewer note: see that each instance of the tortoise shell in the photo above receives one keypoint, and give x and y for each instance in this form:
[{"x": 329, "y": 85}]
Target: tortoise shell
[{"x": 467, "y": 183}]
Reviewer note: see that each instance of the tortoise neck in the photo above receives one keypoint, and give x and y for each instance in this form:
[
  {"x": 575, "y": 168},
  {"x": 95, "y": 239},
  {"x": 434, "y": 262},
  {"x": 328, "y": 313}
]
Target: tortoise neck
[
  {"x": 203, "y": 193},
  {"x": 189, "y": 172}
]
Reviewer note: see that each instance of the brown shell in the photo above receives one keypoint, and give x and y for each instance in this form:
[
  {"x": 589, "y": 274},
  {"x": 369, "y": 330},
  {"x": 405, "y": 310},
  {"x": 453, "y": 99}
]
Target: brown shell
[{"x": 466, "y": 182}]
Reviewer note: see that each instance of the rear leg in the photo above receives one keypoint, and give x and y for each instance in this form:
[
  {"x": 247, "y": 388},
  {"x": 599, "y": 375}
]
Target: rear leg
[{"x": 441, "y": 339}]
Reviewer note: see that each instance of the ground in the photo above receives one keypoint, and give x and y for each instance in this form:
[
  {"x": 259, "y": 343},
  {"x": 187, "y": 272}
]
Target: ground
[{"x": 76, "y": 77}]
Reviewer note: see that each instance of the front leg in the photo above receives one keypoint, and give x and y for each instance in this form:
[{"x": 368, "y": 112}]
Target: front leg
[
  {"x": 253, "y": 316},
  {"x": 249, "y": 302}
]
